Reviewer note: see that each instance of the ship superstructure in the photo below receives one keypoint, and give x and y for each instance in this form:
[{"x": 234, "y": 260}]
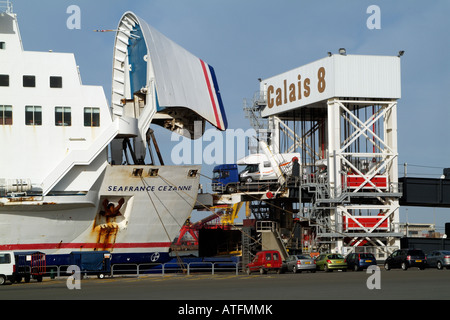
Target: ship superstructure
[{"x": 66, "y": 182}]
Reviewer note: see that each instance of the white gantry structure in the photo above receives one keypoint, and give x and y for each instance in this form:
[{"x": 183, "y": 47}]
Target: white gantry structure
[{"x": 340, "y": 113}]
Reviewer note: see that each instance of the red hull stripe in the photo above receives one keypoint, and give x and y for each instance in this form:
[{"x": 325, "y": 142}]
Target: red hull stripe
[
  {"x": 49, "y": 246},
  {"x": 211, "y": 95}
]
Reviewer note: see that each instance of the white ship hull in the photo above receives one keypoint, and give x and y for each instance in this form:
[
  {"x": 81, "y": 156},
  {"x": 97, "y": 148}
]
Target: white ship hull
[
  {"x": 60, "y": 190},
  {"x": 153, "y": 211}
]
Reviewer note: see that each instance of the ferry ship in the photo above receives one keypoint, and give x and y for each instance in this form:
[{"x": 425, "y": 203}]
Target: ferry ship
[{"x": 73, "y": 171}]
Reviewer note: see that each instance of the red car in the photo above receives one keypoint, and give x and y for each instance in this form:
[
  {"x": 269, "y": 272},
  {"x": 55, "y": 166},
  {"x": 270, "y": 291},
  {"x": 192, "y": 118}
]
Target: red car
[{"x": 268, "y": 260}]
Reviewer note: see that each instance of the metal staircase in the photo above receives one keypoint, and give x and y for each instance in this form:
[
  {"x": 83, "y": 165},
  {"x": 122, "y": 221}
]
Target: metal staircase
[
  {"x": 271, "y": 238},
  {"x": 253, "y": 113},
  {"x": 80, "y": 156}
]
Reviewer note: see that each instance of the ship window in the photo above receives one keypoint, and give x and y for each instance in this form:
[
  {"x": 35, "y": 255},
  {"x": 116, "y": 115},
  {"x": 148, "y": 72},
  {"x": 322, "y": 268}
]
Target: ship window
[
  {"x": 137, "y": 172},
  {"x": 192, "y": 173},
  {"x": 92, "y": 117},
  {"x": 33, "y": 115},
  {"x": 4, "y": 80},
  {"x": 63, "y": 116},
  {"x": 5, "y": 115},
  {"x": 55, "y": 82},
  {"x": 2, "y": 45},
  {"x": 29, "y": 81}
]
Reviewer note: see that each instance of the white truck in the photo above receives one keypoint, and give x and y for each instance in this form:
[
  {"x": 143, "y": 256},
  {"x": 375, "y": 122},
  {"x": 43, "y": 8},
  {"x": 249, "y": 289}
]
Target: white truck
[{"x": 7, "y": 266}]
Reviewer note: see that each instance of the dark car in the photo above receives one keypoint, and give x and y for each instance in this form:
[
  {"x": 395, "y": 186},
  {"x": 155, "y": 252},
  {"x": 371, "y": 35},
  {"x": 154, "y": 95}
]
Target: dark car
[
  {"x": 439, "y": 259},
  {"x": 360, "y": 261},
  {"x": 406, "y": 258}
]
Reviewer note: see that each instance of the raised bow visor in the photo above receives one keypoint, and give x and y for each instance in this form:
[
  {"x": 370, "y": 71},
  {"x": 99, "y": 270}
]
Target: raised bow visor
[{"x": 173, "y": 87}]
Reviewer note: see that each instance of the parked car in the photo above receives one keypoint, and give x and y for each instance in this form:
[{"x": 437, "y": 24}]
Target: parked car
[
  {"x": 331, "y": 261},
  {"x": 439, "y": 259},
  {"x": 360, "y": 261},
  {"x": 299, "y": 263},
  {"x": 7, "y": 266},
  {"x": 406, "y": 258},
  {"x": 264, "y": 261}
]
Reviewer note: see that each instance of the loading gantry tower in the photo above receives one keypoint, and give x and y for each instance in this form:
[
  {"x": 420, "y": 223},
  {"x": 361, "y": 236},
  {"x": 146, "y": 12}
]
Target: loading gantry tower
[{"x": 340, "y": 113}]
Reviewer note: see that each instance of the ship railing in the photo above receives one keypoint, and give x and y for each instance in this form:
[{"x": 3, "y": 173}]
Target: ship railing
[
  {"x": 6, "y": 6},
  {"x": 256, "y": 186}
]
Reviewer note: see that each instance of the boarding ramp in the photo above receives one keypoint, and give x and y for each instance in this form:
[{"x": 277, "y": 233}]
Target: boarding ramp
[{"x": 425, "y": 192}]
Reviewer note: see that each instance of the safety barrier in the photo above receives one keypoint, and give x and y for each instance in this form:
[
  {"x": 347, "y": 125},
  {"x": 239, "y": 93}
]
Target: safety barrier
[{"x": 54, "y": 271}]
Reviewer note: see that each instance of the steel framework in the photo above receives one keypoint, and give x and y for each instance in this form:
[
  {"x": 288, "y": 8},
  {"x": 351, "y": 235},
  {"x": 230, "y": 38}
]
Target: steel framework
[
  {"x": 349, "y": 173},
  {"x": 340, "y": 114}
]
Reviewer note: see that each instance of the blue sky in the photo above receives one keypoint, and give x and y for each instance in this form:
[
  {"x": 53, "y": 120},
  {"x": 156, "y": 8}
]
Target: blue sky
[{"x": 249, "y": 39}]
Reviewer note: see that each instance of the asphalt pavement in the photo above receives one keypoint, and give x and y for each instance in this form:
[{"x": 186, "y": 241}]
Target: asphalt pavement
[{"x": 429, "y": 284}]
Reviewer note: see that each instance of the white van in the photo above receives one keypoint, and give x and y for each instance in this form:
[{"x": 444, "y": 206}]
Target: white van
[
  {"x": 7, "y": 266},
  {"x": 259, "y": 168}
]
